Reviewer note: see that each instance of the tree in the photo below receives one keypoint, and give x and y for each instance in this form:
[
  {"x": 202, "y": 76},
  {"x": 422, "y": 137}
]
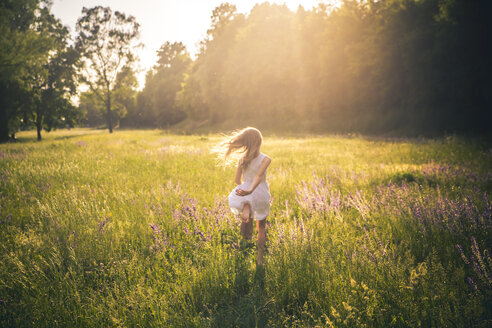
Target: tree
[
  {"x": 91, "y": 109},
  {"x": 22, "y": 49},
  {"x": 52, "y": 83},
  {"x": 158, "y": 105},
  {"x": 203, "y": 95},
  {"x": 106, "y": 41},
  {"x": 125, "y": 93}
]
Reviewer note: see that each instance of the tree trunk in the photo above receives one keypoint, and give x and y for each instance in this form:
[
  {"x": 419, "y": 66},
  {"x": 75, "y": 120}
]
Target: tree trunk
[
  {"x": 4, "y": 124},
  {"x": 39, "y": 125},
  {"x": 38, "y": 128},
  {"x": 109, "y": 118}
]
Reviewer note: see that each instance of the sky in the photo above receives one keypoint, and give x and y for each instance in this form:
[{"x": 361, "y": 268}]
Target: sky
[{"x": 164, "y": 20}]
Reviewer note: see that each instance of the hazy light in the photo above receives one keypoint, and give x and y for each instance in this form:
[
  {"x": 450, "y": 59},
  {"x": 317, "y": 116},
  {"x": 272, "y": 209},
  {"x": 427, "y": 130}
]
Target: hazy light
[{"x": 164, "y": 20}]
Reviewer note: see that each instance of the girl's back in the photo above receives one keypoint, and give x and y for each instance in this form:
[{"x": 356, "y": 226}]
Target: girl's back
[{"x": 252, "y": 169}]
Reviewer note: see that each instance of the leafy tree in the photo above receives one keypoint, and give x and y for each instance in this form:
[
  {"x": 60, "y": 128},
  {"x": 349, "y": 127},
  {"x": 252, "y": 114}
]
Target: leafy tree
[
  {"x": 106, "y": 41},
  {"x": 93, "y": 109},
  {"x": 125, "y": 94},
  {"x": 51, "y": 84},
  {"x": 157, "y": 101},
  {"x": 22, "y": 49},
  {"x": 204, "y": 89}
]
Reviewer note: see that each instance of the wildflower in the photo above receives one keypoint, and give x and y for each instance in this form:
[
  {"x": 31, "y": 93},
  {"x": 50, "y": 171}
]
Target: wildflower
[
  {"x": 462, "y": 254},
  {"x": 160, "y": 239},
  {"x": 472, "y": 284},
  {"x": 478, "y": 263},
  {"x": 102, "y": 224},
  {"x": 200, "y": 234}
]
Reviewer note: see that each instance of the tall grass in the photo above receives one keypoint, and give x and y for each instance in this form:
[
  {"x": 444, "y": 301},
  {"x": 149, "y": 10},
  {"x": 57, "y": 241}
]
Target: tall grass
[{"x": 133, "y": 229}]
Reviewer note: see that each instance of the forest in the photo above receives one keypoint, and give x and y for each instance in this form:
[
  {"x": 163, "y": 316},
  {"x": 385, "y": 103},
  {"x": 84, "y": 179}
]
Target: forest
[{"x": 399, "y": 67}]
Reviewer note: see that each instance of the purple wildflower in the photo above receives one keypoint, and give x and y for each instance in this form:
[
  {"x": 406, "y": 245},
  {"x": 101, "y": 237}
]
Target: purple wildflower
[
  {"x": 472, "y": 284},
  {"x": 160, "y": 239},
  {"x": 462, "y": 254},
  {"x": 102, "y": 225}
]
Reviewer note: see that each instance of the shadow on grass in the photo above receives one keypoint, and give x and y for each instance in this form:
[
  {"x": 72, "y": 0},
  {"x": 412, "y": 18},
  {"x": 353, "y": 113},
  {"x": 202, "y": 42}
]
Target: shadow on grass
[{"x": 250, "y": 306}]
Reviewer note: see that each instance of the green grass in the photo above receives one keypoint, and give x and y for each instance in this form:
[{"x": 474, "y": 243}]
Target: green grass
[{"x": 133, "y": 229}]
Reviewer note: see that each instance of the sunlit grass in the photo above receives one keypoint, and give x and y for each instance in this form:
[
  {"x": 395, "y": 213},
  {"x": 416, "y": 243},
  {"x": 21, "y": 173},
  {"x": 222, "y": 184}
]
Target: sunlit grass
[{"x": 132, "y": 228}]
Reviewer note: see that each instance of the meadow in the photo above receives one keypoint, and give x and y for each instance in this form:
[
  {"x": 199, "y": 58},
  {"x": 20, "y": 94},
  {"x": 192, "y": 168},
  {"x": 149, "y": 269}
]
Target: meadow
[{"x": 132, "y": 229}]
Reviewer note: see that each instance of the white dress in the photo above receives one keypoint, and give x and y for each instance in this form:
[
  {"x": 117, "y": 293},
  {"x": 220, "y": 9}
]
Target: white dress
[{"x": 259, "y": 199}]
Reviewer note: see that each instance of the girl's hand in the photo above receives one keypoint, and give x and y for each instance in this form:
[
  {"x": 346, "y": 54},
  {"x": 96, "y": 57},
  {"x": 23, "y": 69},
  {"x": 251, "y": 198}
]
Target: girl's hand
[{"x": 241, "y": 192}]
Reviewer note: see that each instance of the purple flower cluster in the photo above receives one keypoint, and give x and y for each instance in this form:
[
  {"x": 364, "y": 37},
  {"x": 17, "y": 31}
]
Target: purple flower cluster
[
  {"x": 160, "y": 239},
  {"x": 319, "y": 197},
  {"x": 481, "y": 264},
  {"x": 434, "y": 210},
  {"x": 187, "y": 211},
  {"x": 454, "y": 173},
  {"x": 431, "y": 209},
  {"x": 298, "y": 232},
  {"x": 359, "y": 202},
  {"x": 202, "y": 223}
]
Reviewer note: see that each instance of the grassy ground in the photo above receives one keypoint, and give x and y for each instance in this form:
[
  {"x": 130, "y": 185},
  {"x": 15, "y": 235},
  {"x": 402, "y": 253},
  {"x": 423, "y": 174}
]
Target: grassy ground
[{"x": 133, "y": 229}]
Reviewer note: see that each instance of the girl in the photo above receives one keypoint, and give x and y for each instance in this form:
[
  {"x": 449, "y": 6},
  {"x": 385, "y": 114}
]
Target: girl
[{"x": 251, "y": 198}]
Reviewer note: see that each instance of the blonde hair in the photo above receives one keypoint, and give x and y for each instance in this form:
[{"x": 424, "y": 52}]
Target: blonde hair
[{"x": 246, "y": 141}]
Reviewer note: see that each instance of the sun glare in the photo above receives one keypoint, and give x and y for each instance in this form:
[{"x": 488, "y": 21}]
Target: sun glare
[
  {"x": 160, "y": 21},
  {"x": 189, "y": 26}
]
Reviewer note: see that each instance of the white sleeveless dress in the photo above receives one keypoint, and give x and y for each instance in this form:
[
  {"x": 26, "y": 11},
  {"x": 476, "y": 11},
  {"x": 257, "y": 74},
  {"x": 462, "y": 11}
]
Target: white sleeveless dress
[{"x": 259, "y": 199}]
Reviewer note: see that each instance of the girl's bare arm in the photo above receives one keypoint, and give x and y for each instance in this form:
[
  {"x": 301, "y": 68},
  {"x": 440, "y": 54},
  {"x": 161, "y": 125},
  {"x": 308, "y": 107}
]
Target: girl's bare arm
[
  {"x": 256, "y": 181},
  {"x": 239, "y": 173}
]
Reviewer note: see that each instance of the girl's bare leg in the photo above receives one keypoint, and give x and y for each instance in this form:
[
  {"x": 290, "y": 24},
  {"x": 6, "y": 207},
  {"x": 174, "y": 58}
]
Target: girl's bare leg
[
  {"x": 260, "y": 226},
  {"x": 246, "y": 222}
]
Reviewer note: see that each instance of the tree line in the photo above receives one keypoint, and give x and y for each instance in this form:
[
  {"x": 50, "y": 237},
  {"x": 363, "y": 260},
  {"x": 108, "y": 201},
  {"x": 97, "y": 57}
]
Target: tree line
[
  {"x": 400, "y": 66},
  {"x": 41, "y": 67}
]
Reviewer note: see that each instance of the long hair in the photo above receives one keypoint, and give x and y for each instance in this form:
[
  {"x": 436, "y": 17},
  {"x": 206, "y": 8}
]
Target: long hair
[{"x": 246, "y": 142}]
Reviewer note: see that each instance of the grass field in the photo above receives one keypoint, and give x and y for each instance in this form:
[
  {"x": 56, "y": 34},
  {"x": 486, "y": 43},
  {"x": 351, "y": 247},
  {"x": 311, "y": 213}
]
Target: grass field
[{"x": 133, "y": 229}]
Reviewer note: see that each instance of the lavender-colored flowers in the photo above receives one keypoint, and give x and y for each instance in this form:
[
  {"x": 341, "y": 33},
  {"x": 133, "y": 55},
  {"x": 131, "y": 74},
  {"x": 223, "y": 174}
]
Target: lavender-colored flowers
[
  {"x": 160, "y": 239},
  {"x": 320, "y": 197},
  {"x": 462, "y": 254},
  {"x": 481, "y": 264}
]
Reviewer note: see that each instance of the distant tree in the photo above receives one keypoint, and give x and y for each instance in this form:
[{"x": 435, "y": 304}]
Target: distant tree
[
  {"x": 125, "y": 93},
  {"x": 106, "y": 41},
  {"x": 158, "y": 100},
  {"x": 93, "y": 108},
  {"x": 205, "y": 96}
]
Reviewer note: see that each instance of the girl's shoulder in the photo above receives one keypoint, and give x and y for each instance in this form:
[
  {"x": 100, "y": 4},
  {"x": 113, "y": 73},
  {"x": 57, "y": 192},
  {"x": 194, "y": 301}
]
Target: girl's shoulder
[{"x": 263, "y": 156}]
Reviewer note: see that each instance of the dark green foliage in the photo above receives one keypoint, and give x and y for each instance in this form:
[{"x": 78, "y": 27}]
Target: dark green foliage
[
  {"x": 157, "y": 103},
  {"x": 36, "y": 68},
  {"x": 400, "y": 66}
]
